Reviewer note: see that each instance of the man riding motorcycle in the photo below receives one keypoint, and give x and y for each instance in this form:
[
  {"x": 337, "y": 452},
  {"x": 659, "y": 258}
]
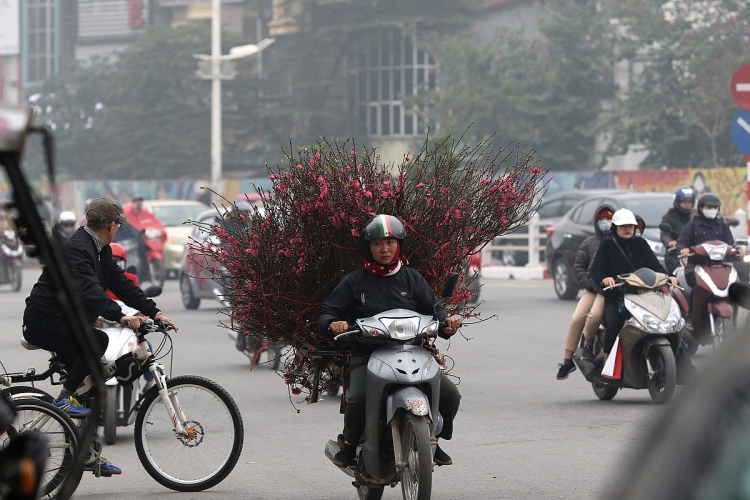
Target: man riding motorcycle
[{"x": 674, "y": 221}]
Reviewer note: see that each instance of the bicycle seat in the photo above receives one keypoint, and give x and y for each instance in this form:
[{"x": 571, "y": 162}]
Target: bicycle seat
[{"x": 28, "y": 345}]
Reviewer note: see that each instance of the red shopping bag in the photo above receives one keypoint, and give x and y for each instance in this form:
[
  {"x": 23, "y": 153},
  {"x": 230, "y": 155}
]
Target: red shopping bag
[{"x": 613, "y": 367}]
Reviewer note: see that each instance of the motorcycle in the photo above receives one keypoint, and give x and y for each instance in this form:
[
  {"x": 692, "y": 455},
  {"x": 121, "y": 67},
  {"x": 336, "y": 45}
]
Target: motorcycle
[
  {"x": 714, "y": 315},
  {"x": 649, "y": 340},
  {"x": 401, "y": 417},
  {"x": 155, "y": 237},
  {"x": 11, "y": 252},
  {"x": 122, "y": 393}
]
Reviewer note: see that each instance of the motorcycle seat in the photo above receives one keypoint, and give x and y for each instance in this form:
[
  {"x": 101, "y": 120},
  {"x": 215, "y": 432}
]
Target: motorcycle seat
[{"x": 28, "y": 345}]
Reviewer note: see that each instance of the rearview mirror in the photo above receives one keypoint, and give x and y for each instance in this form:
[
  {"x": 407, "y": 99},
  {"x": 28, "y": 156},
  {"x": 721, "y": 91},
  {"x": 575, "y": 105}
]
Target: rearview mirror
[
  {"x": 450, "y": 285},
  {"x": 152, "y": 291}
]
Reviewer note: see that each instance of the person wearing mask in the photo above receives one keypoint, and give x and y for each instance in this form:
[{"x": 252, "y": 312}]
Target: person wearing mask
[
  {"x": 588, "y": 313},
  {"x": 88, "y": 257},
  {"x": 640, "y": 225},
  {"x": 623, "y": 253},
  {"x": 707, "y": 225},
  {"x": 674, "y": 221},
  {"x": 384, "y": 282}
]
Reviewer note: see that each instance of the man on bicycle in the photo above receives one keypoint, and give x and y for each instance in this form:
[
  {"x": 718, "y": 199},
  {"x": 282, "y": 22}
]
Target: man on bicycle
[{"x": 89, "y": 260}]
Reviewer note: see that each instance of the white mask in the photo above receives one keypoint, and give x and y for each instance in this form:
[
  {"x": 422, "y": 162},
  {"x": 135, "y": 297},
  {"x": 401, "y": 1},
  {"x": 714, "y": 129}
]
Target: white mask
[
  {"x": 710, "y": 213},
  {"x": 121, "y": 265},
  {"x": 605, "y": 226}
]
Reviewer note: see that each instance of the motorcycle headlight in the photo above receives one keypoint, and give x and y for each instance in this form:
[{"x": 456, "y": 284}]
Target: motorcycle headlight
[
  {"x": 654, "y": 324},
  {"x": 153, "y": 233},
  {"x": 402, "y": 328}
]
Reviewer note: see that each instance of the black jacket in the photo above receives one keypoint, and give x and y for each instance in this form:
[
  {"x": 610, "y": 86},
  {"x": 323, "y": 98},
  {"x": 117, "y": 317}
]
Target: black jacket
[
  {"x": 92, "y": 275},
  {"x": 609, "y": 262},
  {"x": 585, "y": 255},
  {"x": 699, "y": 230},
  {"x": 672, "y": 224},
  {"x": 362, "y": 294}
]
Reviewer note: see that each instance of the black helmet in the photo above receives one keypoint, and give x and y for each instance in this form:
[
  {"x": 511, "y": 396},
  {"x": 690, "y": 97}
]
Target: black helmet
[
  {"x": 684, "y": 193},
  {"x": 379, "y": 227},
  {"x": 383, "y": 226},
  {"x": 709, "y": 199}
]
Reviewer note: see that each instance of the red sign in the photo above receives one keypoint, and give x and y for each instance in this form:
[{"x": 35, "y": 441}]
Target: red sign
[{"x": 741, "y": 87}]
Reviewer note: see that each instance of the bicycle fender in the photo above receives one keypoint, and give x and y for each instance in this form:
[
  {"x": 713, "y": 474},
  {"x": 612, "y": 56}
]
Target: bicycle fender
[{"x": 410, "y": 399}]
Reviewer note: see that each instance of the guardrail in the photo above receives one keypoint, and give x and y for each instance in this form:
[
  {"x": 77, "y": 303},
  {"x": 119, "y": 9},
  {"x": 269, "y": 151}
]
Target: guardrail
[{"x": 525, "y": 247}]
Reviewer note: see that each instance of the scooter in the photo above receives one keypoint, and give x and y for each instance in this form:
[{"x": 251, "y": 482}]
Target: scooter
[
  {"x": 155, "y": 237},
  {"x": 401, "y": 416},
  {"x": 11, "y": 252},
  {"x": 122, "y": 392},
  {"x": 649, "y": 340},
  {"x": 714, "y": 315}
]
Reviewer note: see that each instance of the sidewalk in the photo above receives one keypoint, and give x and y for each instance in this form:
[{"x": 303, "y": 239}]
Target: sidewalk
[{"x": 514, "y": 273}]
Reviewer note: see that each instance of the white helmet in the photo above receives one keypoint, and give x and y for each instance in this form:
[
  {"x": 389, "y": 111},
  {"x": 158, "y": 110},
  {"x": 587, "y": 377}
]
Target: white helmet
[
  {"x": 67, "y": 218},
  {"x": 624, "y": 217}
]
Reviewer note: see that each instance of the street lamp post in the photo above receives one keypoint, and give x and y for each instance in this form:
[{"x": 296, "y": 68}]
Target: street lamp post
[{"x": 216, "y": 68}]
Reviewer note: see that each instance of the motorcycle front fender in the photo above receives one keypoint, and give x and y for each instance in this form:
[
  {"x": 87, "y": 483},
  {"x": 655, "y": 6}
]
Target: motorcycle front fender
[
  {"x": 410, "y": 399},
  {"x": 721, "y": 308}
]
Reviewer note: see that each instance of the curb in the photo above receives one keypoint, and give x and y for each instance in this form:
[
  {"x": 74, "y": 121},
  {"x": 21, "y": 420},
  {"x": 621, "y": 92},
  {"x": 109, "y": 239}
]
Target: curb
[{"x": 517, "y": 273}]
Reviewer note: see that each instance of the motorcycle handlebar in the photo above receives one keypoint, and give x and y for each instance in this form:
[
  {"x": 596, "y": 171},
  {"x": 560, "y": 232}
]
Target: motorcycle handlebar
[{"x": 441, "y": 324}]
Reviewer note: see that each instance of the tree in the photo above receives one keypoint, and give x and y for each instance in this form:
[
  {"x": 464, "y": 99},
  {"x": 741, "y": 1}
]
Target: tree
[
  {"x": 544, "y": 92},
  {"x": 679, "y": 106},
  {"x": 146, "y": 114}
]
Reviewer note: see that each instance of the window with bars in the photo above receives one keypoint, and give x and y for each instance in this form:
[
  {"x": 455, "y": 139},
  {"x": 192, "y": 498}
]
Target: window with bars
[
  {"x": 380, "y": 76},
  {"x": 40, "y": 40}
]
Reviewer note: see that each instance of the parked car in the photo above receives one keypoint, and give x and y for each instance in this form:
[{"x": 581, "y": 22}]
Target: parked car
[
  {"x": 173, "y": 214},
  {"x": 550, "y": 210},
  {"x": 565, "y": 237}
]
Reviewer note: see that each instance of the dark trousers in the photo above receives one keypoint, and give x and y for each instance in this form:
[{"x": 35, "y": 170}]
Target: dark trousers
[
  {"x": 51, "y": 333},
  {"x": 354, "y": 416},
  {"x": 614, "y": 321}
]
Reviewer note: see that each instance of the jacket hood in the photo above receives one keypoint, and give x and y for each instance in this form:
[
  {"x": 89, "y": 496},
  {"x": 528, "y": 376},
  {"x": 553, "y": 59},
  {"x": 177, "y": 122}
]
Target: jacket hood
[{"x": 598, "y": 233}]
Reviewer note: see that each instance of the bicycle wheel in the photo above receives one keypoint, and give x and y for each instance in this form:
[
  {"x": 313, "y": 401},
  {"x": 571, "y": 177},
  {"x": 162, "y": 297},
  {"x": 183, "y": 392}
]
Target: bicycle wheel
[
  {"x": 62, "y": 435},
  {"x": 208, "y": 454}
]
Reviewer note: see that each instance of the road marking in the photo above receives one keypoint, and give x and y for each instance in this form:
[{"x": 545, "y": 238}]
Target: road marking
[
  {"x": 743, "y": 87},
  {"x": 742, "y": 123}
]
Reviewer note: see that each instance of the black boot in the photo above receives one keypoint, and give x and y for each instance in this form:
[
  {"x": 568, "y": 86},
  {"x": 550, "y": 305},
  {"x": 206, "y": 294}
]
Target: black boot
[
  {"x": 441, "y": 457},
  {"x": 346, "y": 457}
]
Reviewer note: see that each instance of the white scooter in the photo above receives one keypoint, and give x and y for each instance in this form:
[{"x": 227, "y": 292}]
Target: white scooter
[{"x": 122, "y": 392}]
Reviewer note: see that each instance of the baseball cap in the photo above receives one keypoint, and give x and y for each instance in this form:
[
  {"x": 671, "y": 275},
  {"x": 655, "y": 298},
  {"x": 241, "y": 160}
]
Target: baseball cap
[{"x": 104, "y": 210}]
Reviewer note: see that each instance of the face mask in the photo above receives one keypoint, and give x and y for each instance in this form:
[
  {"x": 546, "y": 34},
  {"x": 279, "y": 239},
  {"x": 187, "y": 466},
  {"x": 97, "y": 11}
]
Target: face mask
[
  {"x": 121, "y": 265},
  {"x": 605, "y": 226},
  {"x": 710, "y": 213}
]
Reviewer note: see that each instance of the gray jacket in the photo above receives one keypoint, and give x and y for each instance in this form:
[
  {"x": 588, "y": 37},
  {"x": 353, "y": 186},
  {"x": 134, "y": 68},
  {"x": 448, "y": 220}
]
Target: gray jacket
[{"x": 585, "y": 256}]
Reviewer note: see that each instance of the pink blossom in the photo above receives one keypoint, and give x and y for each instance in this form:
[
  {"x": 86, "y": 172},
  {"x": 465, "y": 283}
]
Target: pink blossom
[
  {"x": 317, "y": 156},
  {"x": 420, "y": 185},
  {"x": 407, "y": 158},
  {"x": 368, "y": 194},
  {"x": 355, "y": 184},
  {"x": 484, "y": 182},
  {"x": 535, "y": 171},
  {"x": 355, "y": 233},
  {"x": 311, "y": 162},
  {"x": 299, "y": 166}
]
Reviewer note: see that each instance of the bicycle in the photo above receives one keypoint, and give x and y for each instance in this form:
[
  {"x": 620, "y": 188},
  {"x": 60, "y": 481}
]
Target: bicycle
[
  {"x": 195, "y": 443},
  {"x": 34, "y": 414}
]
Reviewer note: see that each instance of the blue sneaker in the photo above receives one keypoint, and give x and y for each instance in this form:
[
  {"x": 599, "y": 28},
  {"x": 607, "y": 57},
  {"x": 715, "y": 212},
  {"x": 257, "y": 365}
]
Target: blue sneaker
[
  {"x": 106, "y": 468},
  {"x": 72, "y": 407}
]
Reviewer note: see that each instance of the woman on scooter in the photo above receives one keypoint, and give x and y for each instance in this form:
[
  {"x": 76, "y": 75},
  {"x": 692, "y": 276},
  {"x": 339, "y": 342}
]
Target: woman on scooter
[
  {"x": 385, "y": 282},
  {"x": 590, "y": 307},
  {"x": 624, "y": 253},
  {"x": 707, "y": 225}
]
